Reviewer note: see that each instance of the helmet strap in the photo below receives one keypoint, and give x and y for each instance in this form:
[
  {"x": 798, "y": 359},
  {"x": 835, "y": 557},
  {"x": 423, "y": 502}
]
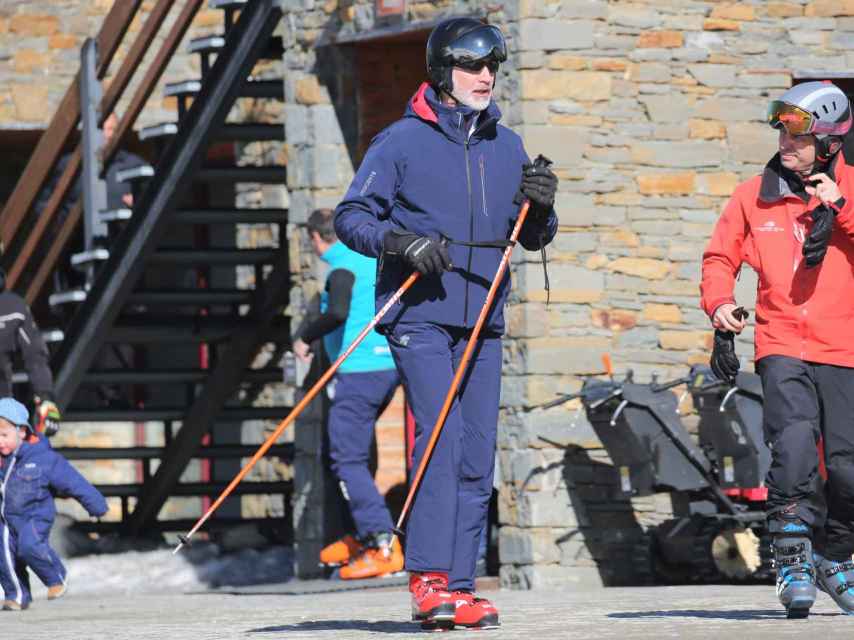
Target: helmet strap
[
  {"x": 822, "y": 152},
  {"x": 826, "y": 149},
  {"x": 447, "y": 82}
]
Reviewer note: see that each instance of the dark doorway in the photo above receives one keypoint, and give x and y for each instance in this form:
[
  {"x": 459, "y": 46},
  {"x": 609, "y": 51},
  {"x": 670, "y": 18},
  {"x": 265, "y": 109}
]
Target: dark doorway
[
  {"x": 370, "y": 80},
  {"x": 389, "y": 71}
]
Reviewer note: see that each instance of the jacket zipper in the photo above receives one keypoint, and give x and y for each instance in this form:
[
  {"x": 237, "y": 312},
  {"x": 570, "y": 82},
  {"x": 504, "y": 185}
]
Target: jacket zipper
[
  {"x": 483, "y": 186},
  {"x": 471, "y": 231},
  {"x": 6, "y": 479},
  {"x": 6, "y": 548}
]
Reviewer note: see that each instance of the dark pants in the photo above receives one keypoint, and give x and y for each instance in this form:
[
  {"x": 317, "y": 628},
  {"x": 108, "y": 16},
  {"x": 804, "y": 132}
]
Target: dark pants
[
  {"x": 25, "y": 544},
  {"x": 802, "y": 402},
  {"x": 450, "y": 509},
  {"x": 359, "y": 400}
]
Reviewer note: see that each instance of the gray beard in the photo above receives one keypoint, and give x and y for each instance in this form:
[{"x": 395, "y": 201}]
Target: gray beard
[{"x": 471, "y": 103}]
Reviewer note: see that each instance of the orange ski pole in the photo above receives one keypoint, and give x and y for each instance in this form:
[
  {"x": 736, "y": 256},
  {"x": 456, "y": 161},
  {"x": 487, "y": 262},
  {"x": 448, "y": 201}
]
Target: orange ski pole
[
  {"x": 461, "y": 369},
  {"x": 609, "y": 367},
  {"x": 309, "y": 396}
]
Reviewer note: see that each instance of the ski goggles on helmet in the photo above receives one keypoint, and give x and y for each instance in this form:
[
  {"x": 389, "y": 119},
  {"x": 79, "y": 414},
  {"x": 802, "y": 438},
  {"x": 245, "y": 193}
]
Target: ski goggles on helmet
[
  {"x": 800, "y": 122},
  {"x": 472, "y": 50}
]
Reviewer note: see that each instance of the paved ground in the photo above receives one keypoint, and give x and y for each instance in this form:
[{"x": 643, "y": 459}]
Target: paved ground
[{"x": 722, "y": 612}]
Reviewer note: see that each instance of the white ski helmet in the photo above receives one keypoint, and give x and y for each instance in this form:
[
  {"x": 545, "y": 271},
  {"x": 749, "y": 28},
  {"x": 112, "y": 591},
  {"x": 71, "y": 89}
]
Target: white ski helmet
[{"x": 812, "y": 108}]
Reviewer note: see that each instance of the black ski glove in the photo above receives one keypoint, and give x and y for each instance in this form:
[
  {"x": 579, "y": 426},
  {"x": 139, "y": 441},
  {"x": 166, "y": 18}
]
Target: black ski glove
[
  {"x": 815, "y": 246},
  {"x": 427, "y": 256},
  {"x": 539, "y": 185},
  {"x": 724, "y": 362}
]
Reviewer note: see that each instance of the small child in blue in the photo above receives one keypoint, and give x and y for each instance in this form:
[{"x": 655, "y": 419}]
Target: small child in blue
[{"x": 31, "y": 473}]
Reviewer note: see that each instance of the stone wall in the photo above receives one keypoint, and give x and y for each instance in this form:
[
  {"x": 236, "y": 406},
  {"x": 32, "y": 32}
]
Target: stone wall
[{"x": 653, "y": 112}]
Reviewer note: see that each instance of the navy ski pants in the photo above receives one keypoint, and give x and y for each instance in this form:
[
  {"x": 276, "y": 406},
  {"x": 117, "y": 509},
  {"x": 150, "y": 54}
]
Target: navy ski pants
[
  {"x": 450, "y": 509},
  {"x": 359, "y": 400},
  {"x": 25, "y": 544},
  {"x": 802, "y": 402}
]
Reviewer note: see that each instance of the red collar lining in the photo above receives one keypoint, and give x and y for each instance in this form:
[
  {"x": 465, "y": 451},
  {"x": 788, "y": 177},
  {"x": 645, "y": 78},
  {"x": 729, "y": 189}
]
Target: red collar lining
[{"x": 421, "y": 107}]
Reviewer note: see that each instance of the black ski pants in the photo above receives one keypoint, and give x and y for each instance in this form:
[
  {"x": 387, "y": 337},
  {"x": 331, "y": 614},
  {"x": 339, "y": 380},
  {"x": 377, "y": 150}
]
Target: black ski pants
[{"x": 802, "y": 402}]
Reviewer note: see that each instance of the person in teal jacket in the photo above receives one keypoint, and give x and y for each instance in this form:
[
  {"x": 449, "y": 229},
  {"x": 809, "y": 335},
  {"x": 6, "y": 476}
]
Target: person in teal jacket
[{"x": 364, "y": 385}]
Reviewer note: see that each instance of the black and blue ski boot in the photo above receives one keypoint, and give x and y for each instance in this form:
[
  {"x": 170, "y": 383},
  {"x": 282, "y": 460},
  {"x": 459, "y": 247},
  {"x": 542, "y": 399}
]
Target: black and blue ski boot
[
  {"x": 836, "y": 579},
  {"x": 793, "y": 558}
]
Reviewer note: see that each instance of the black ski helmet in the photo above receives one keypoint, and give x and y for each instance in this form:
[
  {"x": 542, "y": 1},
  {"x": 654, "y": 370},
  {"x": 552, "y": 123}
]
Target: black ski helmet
[{"x": 458, "y": 42}]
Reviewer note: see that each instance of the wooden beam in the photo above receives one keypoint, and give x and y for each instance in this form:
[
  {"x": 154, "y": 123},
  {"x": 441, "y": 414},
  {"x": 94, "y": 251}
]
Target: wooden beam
[
  {"x": 117, "y": 87},
  {"x": 45, "y": 218},
  {"x": 152, "y": 77},
  {"x": 48, "y": 263},
  {"x": 134, "y": 57},
  {"x": 62, "y": 126}
]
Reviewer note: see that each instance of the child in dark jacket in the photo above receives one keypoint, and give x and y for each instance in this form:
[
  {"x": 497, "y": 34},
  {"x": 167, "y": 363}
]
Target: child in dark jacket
[{"x": 31, "y": 473}]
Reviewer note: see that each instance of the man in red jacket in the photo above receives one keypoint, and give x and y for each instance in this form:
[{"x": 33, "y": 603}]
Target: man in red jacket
[{"x": 794, "y": 225}]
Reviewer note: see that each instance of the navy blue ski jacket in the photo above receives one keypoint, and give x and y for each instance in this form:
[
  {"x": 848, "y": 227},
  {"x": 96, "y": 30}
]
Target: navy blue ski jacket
[
  {"x": 31, "y": 477},
  {"x": 428, "y": 173}
]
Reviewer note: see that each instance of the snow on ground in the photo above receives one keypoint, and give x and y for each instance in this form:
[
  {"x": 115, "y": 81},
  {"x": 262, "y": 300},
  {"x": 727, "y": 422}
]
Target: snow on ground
[{"x": 199, "y": 567}]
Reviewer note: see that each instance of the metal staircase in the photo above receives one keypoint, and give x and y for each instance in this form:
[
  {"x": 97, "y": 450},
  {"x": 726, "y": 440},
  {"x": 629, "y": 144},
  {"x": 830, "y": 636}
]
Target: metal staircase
[{"x": 163, "y": 323}]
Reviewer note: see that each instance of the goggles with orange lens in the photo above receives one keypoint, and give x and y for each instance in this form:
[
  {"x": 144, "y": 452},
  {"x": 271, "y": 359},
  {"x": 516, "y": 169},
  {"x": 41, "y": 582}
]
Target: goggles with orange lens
[{"x": 797, "y": 121}]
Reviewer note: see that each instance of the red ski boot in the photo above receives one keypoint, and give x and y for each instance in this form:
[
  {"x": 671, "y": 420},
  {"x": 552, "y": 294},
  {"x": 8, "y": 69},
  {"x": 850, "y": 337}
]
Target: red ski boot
[
  {"x": 432, "y": 604},
  {"x": 473, "y": 612}
]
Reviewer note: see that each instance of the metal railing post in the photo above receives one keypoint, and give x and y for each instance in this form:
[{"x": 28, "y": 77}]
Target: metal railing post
[{"x": 94, "y": 188}]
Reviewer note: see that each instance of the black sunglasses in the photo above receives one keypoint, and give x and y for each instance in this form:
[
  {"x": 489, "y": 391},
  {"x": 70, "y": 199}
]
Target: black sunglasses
[{"x": 477, "y": 65}]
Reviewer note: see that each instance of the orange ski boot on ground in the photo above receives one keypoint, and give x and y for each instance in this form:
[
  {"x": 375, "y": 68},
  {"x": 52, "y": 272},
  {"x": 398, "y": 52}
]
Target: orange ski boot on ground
[
  {"x": 381, "y": 558},
  {"x": 57, "y": 591},
  {"x": 341, "y": 551},
  {"x": 432, "y": 604},
  {"x": 473, "y": 612}
]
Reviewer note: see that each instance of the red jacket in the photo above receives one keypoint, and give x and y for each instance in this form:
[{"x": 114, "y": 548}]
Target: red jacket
[{"x": 802, "y": 313}]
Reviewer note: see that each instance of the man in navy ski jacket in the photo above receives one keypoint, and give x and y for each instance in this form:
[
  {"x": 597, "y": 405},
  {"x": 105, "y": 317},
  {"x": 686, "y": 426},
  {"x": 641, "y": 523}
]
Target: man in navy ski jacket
[
  {"x": 438, "y": 192},
  {"x": 31, "y": 473}
]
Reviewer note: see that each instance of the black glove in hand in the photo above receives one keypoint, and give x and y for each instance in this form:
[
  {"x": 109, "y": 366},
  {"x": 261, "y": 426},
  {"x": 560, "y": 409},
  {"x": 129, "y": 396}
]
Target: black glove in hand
[
  {"x": 427, "y": 256},
  {"x": 815, "y": 246},
  {"x": 539, "y": 185},
  {"x": 724, "y": 362}
]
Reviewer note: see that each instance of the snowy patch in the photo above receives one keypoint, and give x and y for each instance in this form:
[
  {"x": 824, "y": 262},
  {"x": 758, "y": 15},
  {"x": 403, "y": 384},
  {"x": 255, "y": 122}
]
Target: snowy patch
[{"x": 197, "y": 568}]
